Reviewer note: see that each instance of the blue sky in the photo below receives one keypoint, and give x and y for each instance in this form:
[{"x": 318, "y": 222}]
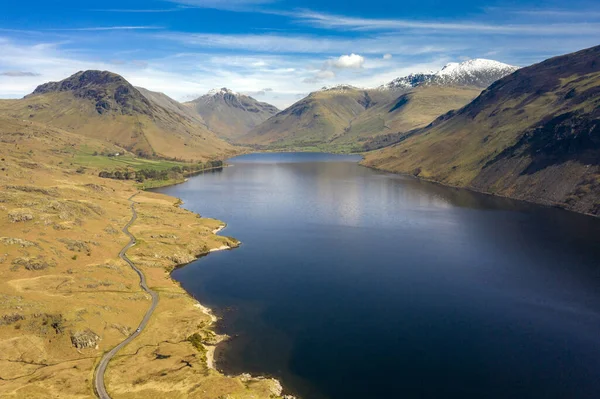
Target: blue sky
[{"x": 277, "y": 50}]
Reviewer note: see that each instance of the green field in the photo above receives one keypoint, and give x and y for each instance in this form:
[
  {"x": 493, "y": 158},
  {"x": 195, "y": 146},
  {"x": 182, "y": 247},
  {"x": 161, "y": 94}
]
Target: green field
[{"x": 123, "y": 161}]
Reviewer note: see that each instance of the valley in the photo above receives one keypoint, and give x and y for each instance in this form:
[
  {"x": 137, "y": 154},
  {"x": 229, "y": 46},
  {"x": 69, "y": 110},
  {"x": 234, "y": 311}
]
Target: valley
[
  {"x": 347, "y": 118},
  {"x": 81, "y": 159}
]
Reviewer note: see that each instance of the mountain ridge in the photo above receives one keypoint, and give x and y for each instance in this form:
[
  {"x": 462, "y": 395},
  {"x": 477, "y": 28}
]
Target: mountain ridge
[
  {"x": 104, "y": 105},
  {"x": 352, "y": 118},
  {"x": 532, "y": 135},
  {"x": 478, "y": 72}
]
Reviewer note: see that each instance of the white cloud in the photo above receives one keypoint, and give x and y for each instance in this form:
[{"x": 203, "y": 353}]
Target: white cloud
[
  {"x": 332, "y": 21},
  {"x": 307, "y": 44},
  {"x": 352, "y": 61},
  {"x": 180, "y": 63}
]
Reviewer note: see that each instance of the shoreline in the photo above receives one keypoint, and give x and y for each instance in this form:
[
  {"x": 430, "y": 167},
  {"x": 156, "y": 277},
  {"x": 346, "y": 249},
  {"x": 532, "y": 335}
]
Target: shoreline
[
  {"x": 174, "y": 182},
  {"x": 75, "y": 299},
  {"x": 219, "y": 338},
  {"x": 549, "y": 204}
]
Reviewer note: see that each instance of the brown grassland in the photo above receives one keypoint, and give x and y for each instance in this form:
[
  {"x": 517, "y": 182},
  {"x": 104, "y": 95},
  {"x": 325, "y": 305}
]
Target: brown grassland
[{"x": 66, "y": 297}]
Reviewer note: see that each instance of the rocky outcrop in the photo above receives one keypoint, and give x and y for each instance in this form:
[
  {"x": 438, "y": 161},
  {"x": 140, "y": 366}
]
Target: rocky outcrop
[
  {"x": 109, "y": 91},
  {"x": 86, "y": 339}
]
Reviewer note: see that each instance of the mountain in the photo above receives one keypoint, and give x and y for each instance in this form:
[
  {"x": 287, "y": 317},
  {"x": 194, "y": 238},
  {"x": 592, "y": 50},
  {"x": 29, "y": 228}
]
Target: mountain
[
  {"x": 412, "y": 109},
  {"x": 474, "y": 73},
  {"x": 169, "y": 104},
  {"x": 230, "y": 114},
  {"x": 348, "y": 118},
  {"x": 533, "y": 135},
  {"x": 103, "y": 105},
  {"x": 317, "y": 119}
]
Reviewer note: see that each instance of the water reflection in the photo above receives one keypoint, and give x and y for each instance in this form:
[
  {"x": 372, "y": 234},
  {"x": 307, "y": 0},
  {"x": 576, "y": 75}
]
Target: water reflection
[{"x": 353, "y": 283}]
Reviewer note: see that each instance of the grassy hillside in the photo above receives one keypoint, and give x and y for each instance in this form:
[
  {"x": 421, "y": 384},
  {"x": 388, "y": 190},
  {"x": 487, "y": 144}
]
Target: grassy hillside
[
  {"x": 532, "y": 135},
  {"x": 105, "y": 106},
  {"x": 66, "y": 296},
  {"x": 318, "y": 119},
  {"x": 411, "y": 110}
]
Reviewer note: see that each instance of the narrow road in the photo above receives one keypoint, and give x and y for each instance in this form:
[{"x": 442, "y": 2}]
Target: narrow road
[{"x": 99, "y": 386}]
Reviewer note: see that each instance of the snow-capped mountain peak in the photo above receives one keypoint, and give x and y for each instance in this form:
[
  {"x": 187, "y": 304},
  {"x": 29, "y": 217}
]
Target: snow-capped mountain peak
[
  {"x": 448, "y": 68},
  {"x": 477, "y": 65},
  {"x": 477, "y": 72},
  {"x": 222, "y": 90}
]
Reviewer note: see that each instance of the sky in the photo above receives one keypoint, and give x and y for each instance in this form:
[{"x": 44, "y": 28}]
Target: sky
[{"x": 277, "y": 51}]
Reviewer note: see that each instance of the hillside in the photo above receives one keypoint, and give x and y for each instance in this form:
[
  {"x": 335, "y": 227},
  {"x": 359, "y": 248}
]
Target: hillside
[
  {"x": 230, "y": 114},
  {"x": 319, "y": 118},
  {"x": 166, "y": 102},
  {"x": 67, "y": 298},
  {"x": 103, "y": 105},
  {"x": 413, "y": 109},
  {"x": 348, "y": 118},
  {"x": 533, "y": 135}
]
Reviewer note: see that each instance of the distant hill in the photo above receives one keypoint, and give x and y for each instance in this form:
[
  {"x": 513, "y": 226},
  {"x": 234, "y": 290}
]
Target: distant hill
[
  {"x": 230, "y": 114},
  {"x": 103, "y": 105},
  {"x": 350, "y": 118},
  {"x": 533, "y": 135}
]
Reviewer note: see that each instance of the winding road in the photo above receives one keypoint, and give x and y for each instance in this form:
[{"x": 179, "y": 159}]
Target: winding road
[{"x": 99, "y": 386}]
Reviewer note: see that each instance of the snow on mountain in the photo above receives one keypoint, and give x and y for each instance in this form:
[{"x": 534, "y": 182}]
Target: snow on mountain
[
  {"x": 406, "y": 82},
  {"x": 339, "y": 88},
  {"x": 222, "y": 91},
  {"x": 478, "y": 73}
]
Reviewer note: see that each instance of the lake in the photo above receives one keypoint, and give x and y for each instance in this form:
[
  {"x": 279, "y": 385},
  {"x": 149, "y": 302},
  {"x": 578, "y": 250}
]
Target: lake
[{"x": 354, "y": 283}]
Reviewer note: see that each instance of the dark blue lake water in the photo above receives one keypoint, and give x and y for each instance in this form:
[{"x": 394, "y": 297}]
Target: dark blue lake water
[{"x": 353, "y": 283}]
